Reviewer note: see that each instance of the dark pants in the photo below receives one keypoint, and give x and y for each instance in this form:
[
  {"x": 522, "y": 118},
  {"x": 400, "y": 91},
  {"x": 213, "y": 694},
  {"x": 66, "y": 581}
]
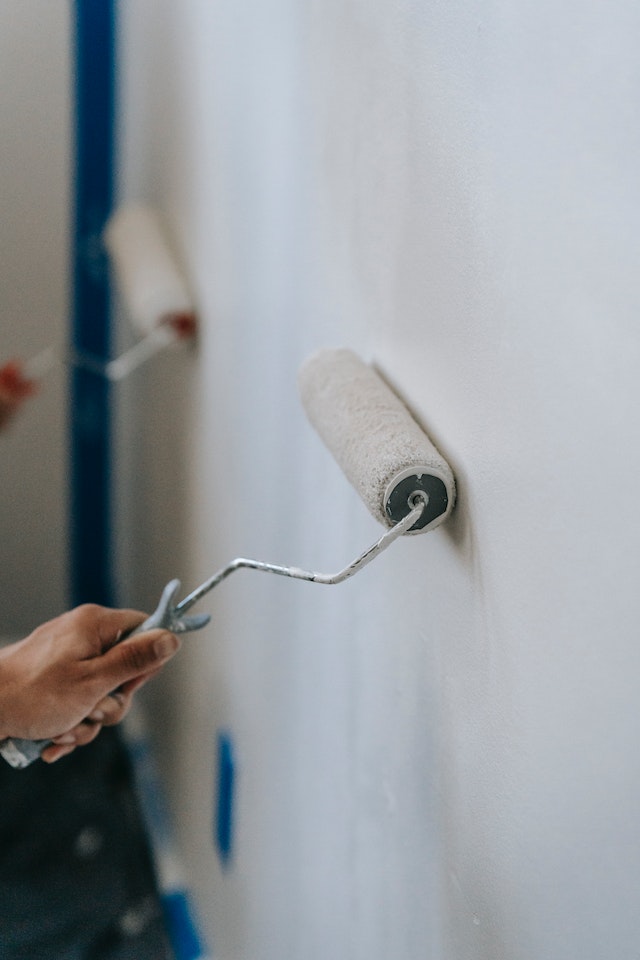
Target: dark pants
[{"x": 76, "y": 876}]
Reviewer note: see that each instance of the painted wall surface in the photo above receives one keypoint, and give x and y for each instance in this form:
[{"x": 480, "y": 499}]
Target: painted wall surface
[
  {"x": 34, "y": 224},
  {"x": 439, "y": 758}
]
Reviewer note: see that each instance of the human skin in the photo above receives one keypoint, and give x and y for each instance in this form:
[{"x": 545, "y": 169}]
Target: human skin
[
  {"x": 15, "y": 387},
  {"x": 72, "y": 676}
]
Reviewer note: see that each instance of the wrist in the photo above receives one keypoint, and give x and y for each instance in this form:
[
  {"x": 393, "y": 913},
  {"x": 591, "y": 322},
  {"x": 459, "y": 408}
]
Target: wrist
[{"x": 8, "y": 685}]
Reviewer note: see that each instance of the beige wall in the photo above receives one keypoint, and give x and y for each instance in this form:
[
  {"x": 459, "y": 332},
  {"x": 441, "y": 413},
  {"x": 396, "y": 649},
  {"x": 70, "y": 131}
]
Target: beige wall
[{"x": 34, "y": 225}]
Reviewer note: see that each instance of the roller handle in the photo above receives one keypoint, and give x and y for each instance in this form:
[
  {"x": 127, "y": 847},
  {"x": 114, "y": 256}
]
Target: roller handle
[{"x": 20, "y": 753}]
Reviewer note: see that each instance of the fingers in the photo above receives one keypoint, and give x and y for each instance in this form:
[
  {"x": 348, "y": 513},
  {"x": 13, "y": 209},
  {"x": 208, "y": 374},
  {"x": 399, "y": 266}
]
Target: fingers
[
  {"x": 110, "y": 711},
  {"x": 133, "y": 658},
  {"x": 67, "y": 742},
  {"x": 14, "y": 383},
  {"x": 114, "y": 707},
  {"x": 115, "y": 624},
  {"x": 53, "y": 753},
  {"x": 57, "y": 680}
]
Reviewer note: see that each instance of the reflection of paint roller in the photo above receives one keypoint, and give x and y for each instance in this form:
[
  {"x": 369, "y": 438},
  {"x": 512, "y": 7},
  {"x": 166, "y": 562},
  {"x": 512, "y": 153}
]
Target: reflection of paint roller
[
  {"x": 152, "y": 287},
  {"x": 152, "y": 290}
]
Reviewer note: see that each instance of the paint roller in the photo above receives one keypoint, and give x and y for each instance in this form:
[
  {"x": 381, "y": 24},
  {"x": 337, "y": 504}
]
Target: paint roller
[
  {"x": 382, "y": 450},
  {"x": 150, "y": 283},
  {"x": 152, "y": 290}
]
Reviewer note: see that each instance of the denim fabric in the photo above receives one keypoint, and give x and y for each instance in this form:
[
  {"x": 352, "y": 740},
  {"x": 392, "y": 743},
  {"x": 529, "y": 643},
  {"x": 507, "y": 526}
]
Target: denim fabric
[{"x": 76, "y": 875}]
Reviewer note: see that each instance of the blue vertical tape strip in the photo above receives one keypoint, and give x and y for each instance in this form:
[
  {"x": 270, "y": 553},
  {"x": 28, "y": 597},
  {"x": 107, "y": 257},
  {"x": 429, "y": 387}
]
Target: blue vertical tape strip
[
  {"x": 226, "y": 794},
  {"x": 182, "y": 929},
  {"x": 90, "y": 506}
]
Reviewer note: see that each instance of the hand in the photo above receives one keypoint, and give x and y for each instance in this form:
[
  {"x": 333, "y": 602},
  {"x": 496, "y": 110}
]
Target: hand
[
  {"x": 14, "y": 389},
  {"x": 71, "y": 676}
]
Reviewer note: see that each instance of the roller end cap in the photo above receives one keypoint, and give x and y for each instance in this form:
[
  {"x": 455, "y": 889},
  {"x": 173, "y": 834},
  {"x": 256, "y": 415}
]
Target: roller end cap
[{"x": 414, "y": 484}]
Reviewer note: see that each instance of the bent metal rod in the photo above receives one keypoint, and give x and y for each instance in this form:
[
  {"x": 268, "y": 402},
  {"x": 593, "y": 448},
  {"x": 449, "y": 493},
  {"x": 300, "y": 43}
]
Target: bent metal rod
[{"x": 419, "y": 503}]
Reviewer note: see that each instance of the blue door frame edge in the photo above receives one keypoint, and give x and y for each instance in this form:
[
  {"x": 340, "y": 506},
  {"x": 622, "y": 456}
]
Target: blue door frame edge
[{"x": 94, "y": 25}]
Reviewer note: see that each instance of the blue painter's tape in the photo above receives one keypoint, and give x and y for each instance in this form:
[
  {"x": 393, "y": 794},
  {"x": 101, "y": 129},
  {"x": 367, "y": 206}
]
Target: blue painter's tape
[
  {"x": 182, "y": 930},
  {"x": 94, "y": 99},
  {"x": 226, "y": 791}
]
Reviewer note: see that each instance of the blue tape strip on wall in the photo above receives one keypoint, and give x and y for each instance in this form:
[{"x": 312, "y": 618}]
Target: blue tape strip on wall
[{"x": 226, "y": 791}]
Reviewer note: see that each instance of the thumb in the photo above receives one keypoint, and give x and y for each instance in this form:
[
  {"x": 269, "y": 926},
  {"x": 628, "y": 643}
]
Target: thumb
[{"x": 135, "y": 657}]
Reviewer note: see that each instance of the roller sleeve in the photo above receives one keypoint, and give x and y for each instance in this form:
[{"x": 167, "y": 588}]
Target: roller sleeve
[
  {"x": 381, "y": 449},
  {"x": 151, "y": 286}
]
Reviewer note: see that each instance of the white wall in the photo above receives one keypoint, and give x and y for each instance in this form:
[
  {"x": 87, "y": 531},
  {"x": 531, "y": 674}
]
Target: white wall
[
  {"x": 34, "y": 224},
  {"x": 437, "y": 758}
]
